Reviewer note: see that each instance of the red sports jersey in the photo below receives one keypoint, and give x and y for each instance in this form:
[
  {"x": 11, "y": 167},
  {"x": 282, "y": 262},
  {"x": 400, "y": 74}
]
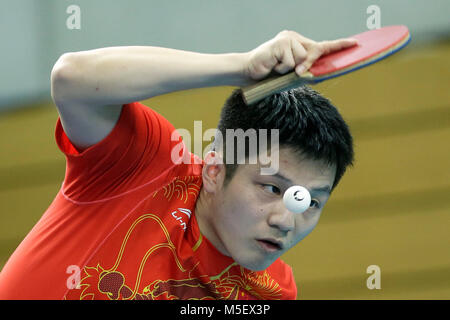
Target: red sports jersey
[{"x": 123, "y": 226}]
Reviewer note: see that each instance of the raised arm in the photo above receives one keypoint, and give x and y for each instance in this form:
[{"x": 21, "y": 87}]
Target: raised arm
[
  {"x": 119, "y": 75},
  {"x": 90, "y": 87}
]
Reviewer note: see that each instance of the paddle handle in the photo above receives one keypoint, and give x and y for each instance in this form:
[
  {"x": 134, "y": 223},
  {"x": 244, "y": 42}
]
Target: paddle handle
[{"x": 267, "y": 87}]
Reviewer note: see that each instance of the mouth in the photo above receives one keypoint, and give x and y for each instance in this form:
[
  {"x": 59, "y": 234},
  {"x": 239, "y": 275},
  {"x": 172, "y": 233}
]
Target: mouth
[{"x": 270, "y": 245}]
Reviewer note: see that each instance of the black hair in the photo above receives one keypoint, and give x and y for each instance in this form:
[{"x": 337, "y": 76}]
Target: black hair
[{"x": 307, "y": 122}]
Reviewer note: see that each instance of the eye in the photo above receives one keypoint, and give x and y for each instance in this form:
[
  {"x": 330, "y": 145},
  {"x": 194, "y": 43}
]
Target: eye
[
  {"x": 314, "y": 204},
  {"x": 271, "y": 188}
]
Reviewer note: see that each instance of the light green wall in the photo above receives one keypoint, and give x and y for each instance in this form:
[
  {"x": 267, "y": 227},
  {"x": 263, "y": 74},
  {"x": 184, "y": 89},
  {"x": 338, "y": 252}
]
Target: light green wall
[{"x": 34, "y": 32}]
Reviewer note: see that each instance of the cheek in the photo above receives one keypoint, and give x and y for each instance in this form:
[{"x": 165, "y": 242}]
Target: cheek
[
  {"x": 305, "y": 223},
  {"x": 231, "y": 208},
  {"x": 241, "y": 210}
]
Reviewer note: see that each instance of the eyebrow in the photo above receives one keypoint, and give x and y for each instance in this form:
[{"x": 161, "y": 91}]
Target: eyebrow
[
  {"x": 279, "y": 176},
  {"x": 324, "y": 189}
]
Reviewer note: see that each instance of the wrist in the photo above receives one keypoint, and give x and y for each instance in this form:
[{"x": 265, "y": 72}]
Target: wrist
[{"x": 238, "y": 67}]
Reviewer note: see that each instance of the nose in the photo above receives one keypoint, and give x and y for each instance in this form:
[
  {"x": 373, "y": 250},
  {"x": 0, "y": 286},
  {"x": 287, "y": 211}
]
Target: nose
[{"x": 282, "y": 219}]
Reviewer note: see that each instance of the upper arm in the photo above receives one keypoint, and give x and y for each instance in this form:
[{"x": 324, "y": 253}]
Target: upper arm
[{"x": 84, "y": 124}]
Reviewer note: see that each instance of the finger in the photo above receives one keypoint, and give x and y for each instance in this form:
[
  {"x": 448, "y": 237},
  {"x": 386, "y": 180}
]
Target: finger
[
  {"x": 310, "y": 59},
  {"x": 316, "y": 50},
  {"x": 336, "y": 45},
  {"x": 308, "y": 51},
  {"x": 302, "y": 68},
  {"x": 298, "y": 51},
  {"x": 283, "y": 53},
  {"x": 286, "y": 64}
]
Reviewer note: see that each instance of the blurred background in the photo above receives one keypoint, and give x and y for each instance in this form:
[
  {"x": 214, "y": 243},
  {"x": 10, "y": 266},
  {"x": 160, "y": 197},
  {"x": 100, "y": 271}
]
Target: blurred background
[{"x": 391, "y": 210}]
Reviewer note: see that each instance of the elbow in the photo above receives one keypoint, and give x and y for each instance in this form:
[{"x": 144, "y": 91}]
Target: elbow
[{"x": 63, "y": 77}]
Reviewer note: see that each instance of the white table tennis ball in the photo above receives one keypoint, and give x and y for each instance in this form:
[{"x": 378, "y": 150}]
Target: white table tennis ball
[{"x": 297, "y": 199}]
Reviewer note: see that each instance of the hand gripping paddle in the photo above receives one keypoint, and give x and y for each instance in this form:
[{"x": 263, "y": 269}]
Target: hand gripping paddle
[{"x": 372, "y": 46}]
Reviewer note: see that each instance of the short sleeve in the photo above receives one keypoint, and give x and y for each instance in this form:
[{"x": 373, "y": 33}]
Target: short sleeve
[{"x": 138, "y": 150}]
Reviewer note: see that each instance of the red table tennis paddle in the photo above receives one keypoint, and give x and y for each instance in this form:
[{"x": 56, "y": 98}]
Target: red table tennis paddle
[{"x": 373, "y": 46}]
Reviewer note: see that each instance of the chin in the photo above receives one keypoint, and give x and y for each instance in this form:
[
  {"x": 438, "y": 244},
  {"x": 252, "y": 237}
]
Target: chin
[
  {"x": 255, "y": 265},
  {"x": 251, "y": 258}
]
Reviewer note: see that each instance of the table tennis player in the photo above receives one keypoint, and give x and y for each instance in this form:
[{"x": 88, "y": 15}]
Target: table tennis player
[{"x": 129, "y": 222}]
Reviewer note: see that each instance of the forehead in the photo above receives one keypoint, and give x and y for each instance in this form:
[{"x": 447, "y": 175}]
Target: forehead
[{"x": 295, "y": 169}]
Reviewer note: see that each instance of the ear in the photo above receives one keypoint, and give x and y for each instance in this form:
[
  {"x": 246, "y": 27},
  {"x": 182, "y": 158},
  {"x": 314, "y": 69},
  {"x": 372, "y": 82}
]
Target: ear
[{"x": 213, "y": 172}]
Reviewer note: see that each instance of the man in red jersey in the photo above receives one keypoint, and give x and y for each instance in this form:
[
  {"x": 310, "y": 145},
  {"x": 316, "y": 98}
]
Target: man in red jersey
[{"x": 132, "y": 222}]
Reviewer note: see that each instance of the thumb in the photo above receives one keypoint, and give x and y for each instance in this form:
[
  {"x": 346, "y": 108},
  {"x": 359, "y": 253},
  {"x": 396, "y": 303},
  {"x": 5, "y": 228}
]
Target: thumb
[{"x": 310, "y": 59}]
